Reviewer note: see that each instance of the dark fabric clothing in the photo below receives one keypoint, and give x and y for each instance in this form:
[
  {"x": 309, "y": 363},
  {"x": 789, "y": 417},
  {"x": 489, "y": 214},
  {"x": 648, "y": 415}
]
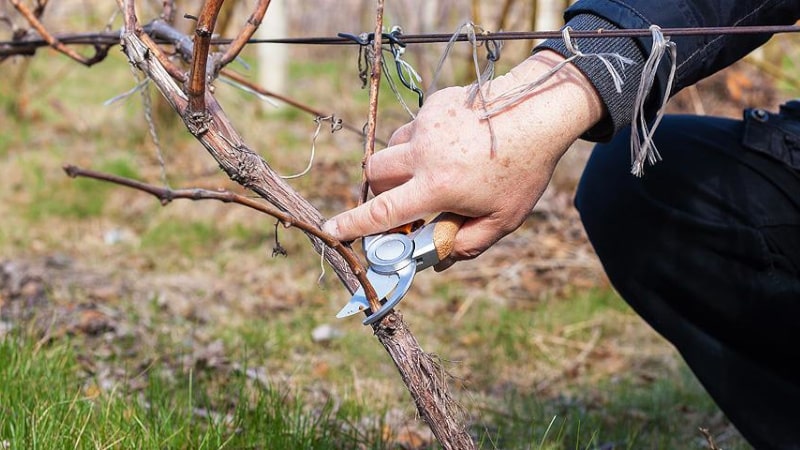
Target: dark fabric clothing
[
  {"x": 697, "y": 56},
  {"x": 706, "y": 248}
]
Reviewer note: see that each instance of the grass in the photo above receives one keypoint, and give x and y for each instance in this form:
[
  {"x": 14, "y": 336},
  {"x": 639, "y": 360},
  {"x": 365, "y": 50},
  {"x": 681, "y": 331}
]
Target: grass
[
  {"x": 550, "y": 401},
  {"x": 189, "y": 239},
  {"x": 51, "y": 398},
  {"x": 621, "y": 413},
  {"x": 48, "y": 401},
  {"x": 79, "y": 199}
]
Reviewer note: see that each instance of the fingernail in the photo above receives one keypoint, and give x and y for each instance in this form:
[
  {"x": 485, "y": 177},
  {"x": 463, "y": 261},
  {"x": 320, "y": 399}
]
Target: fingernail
[
  {"x": 331, "y": 227},
  {"x": 444, "y": 264}
]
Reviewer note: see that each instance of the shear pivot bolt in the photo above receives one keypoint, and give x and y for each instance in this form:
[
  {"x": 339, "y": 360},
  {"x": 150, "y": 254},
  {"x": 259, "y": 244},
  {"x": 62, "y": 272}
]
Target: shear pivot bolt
[
  {"x": 391, "y": 250},
  {"x": 390, "y": 253}
]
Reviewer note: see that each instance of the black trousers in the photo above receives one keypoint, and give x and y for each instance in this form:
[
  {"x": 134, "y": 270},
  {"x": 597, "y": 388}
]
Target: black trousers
[{"x": 706, "y": 248}]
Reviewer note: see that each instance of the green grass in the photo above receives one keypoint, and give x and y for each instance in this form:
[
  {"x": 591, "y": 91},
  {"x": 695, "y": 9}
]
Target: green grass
[
  {"x": 621, "y": 412},
  {"x": 509, "y": 334},
  {"x": 64, "y": 197},
  {"x": 49, "y": 399},
  {"x": 653, "y": 403},
  {"x": 187, "y": 238},
  {"x": 49, "y": 402}
]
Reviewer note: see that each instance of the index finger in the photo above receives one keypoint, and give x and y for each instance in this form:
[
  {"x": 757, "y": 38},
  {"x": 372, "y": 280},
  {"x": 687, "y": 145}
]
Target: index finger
[{"x": 387, "y": 210}]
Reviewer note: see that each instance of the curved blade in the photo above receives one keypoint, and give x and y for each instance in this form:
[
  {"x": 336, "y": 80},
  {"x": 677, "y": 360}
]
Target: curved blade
[
  {"x": 405, "y": 276},
  {"x": 383, "y": 285}
]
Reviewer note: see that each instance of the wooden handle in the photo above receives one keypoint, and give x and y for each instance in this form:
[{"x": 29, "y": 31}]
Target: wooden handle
[{"x": 444, "y": 233}]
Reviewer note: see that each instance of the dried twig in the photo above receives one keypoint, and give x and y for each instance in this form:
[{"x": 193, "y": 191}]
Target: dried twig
[
  {"x": 574, "y": 364},
  {"x": 101, "y": 51},
  {"x": 244, "y": 35},
  {"x": 712, "y": 445},
  {"x": 374, "y": 89}
]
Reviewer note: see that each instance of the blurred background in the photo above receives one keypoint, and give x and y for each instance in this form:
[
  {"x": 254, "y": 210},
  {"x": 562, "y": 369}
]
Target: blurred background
[{"x": 127, "y": 324}]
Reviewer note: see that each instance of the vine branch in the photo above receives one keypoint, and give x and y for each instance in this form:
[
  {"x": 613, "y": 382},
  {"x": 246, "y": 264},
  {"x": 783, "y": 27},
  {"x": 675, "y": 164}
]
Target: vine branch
[
  {"x": 196, "y": 89},
  {"x": 167, "y": 195},
  {"x": 101, "y": 51},
  {"x": 421, "y": 373},
  {"x": 245, "y": 34},
  {"x": 224, "y": 143},
  {"x": 374, "y": 90}
]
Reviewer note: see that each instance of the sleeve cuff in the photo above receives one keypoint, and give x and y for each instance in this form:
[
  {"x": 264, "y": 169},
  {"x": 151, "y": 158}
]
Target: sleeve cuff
[{"x": 619, "y": 105}]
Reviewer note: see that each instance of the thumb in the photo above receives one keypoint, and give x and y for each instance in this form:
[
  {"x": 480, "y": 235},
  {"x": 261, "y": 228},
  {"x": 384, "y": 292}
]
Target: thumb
[{"x": 387, "y": 210}]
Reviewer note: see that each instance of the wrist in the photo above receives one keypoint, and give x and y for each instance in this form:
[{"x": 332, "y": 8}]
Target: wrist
[
  {"x": 617, "y": 99},
  {"x": 568, "y": 87},
  {"x": 562, "y": 107}
]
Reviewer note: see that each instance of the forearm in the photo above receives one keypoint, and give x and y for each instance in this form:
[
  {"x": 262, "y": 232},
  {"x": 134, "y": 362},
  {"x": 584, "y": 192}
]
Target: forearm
[
  {"x": 567, "y": 98},
  {"x": 697, "y": 56}
]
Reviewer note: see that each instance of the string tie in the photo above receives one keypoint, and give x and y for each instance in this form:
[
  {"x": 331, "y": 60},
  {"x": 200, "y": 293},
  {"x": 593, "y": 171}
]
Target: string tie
[{"x": 643, "y": 149}]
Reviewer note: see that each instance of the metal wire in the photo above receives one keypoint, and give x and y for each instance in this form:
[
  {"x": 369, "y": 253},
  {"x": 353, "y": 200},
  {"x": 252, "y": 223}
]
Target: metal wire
[
  {"x": 111, "y": 38},
  {"x": 535, "y": 35}
]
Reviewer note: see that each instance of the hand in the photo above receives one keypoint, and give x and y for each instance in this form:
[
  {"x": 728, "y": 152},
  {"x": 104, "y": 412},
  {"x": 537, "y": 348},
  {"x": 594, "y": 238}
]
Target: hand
[{"x": 443, "y": 161}]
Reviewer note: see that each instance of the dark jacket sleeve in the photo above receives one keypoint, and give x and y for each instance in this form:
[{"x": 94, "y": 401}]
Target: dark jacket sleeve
[{"x": 697, "y": 56}]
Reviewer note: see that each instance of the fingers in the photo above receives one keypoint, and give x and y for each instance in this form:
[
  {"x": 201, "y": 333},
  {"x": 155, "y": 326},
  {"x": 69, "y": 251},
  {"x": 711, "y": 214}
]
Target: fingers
[
  {"x": 402, "y": 134},
  {"x": 398, "y": 198},
  {"x": 389, "y": 168},
  {"x": 474, "y": 237},
  {"x": 390, "y": 209}
]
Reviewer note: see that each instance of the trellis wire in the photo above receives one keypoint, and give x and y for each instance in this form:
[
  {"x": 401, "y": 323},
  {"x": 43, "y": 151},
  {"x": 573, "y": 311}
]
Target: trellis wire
[{"x": 110, "y": 38}]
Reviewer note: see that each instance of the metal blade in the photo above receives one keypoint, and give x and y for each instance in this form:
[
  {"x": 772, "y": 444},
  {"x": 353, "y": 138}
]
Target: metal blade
[
  {"x": 383, "y": 284},
  {"x": 406, "y": 276}
]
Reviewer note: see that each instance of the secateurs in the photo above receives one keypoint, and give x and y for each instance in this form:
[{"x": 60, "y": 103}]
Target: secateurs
[{"x": 395, "y": 257}]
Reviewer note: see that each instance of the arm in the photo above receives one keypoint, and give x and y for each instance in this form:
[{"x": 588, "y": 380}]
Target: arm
[
  {"x": 441, "y": 161},
  {"x": 698, "y": 56}
]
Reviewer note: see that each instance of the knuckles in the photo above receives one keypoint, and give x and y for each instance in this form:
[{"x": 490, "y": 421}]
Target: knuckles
[
  {"x": 402, "y": 134},
  {"x": 381, "y": 214}
]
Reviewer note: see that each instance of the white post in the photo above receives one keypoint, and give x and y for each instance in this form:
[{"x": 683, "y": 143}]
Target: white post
[
  {"x": 550, "y": 15},
  {"x": 273, "y": 59}
]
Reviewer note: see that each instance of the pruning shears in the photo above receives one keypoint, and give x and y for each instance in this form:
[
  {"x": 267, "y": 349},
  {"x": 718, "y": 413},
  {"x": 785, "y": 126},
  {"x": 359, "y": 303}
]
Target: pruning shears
[{"x": 396, "y": 256}]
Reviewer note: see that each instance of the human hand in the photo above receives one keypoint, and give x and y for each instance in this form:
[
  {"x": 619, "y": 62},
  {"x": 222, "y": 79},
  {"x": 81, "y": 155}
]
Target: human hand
[{"x": 443, "y": 161}]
